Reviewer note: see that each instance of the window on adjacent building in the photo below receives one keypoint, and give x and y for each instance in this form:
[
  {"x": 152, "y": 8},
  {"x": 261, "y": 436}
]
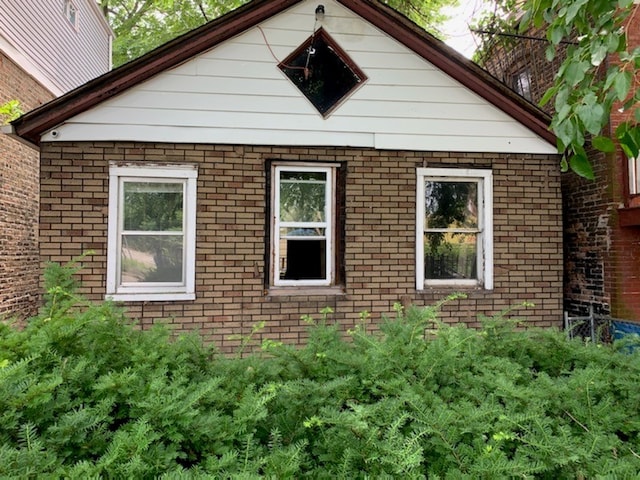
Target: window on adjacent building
[
  {"x": 304, "y": 226},
  {"x": 521, "y": 83},
  {"x": 454, "y": 232},
  {"x": 71, "y": 12},
  {"x": 634, "y": 176},
  {"x": 322, "y": 71},
  {"x": 151, "y": 238}
]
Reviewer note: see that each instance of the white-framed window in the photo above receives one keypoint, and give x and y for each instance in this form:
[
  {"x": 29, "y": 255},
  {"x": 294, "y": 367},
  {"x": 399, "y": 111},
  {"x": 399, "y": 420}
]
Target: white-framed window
[
  {"x": 634, "y": 176},
  {"x": 454, "y": 228},
  {"x": 71, "y": 12},
  {"x": 152, "y": 230},
  {"x": 303, "y": 222}
]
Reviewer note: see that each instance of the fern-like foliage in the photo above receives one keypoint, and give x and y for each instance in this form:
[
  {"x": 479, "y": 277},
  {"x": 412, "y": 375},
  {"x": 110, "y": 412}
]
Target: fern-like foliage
[{"x": 86, "y": 394}]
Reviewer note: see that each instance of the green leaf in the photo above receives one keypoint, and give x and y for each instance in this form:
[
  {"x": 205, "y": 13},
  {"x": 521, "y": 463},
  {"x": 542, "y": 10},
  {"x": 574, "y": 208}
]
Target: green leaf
[
  {"x": 550, "y": 53},
  {"x": 575, "y": 72},
  {"x": 573, "y": 10},
  {"x": 556, "y": 33},
  {"x": 629, "y": 138},
  {"x": 636, "y": 114},
  {"x": 564, "y": 165},
  {"x": 580, "y": 164},
  {"x": 598, "y": 54},
  {"x": 548, "y": 95},
  {"x": 591, "y": 117},
  {"x": 604, "y": 144},
  {"x": 622, "y": 84}
]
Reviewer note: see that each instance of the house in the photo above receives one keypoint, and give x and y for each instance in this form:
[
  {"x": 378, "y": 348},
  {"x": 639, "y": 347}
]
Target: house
[
  {"x": 46, "y": 49},
  {"x": 291, "y": 156},
  {"x": 601, "y": 217}
]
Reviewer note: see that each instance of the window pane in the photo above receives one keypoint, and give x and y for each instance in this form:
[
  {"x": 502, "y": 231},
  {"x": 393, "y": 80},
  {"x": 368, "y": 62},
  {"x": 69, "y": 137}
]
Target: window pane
[
  {"x": 450, "y": 256},
  {"x": 302, "y": 259},
  {"x": 302, "y": 196},
  {"x": 451, "y": 205},
  {"x": 151, "y": 258},
  {"x": 153, "y": 206},
  {"x": 301, "y": 232}
]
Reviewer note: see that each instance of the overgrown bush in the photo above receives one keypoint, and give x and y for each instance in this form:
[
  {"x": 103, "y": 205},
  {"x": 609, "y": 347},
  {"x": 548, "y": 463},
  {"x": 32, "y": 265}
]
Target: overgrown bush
[{"x": 84, "y": 394}]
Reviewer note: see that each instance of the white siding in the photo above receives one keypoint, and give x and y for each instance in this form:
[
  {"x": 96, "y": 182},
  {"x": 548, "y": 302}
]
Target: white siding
[
  {"x": 235, "y": 93},
  {"x": 37, "y": 35}
]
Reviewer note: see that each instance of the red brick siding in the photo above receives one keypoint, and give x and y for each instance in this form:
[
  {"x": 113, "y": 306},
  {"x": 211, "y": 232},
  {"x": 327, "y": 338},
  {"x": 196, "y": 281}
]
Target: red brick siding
[
  {"x": 19, "y": 258},
  {"x": 379, "y": 237}
]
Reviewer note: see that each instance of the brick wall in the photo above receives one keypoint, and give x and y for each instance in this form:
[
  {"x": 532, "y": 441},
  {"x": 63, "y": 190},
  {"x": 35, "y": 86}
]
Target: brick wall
[
  {"x": 379, "y": 237},
  {"x": 588, "y": 217},
  {"x": 19, "y": 259}
]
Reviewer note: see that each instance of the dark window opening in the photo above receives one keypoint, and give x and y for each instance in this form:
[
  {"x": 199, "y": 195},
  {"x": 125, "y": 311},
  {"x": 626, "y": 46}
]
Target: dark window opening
[
  {"x": 305, "y": 260},
  {"x": 322, "y": 71}
]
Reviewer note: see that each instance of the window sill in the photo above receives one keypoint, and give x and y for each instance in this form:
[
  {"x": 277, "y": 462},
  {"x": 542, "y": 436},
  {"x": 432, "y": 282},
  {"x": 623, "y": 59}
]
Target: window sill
[
  {"x": 150, "y": 297},
  {"x": 629, "y": 216},
  {"x": 305, "y": 291}
]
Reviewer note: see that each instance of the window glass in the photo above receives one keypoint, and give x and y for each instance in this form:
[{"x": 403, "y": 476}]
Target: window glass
[
  {"x": 450, "y": 256},
  {"x": 152, "y": 258},
  {"x": 302, "y": 196},
  {"x": 451, "y": 204},
  {"x": 153, "y": 206}
]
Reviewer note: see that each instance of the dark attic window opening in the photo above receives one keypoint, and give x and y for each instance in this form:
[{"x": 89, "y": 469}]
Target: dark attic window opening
[{"x": 322, "y": 71}]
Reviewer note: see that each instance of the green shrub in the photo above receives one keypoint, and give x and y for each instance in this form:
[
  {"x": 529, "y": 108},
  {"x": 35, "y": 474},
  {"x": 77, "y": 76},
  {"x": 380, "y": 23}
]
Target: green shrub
[{"x": 85, "y": 394}]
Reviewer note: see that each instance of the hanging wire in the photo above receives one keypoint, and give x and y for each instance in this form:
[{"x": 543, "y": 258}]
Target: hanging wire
[{"x": 310, "y": 51}]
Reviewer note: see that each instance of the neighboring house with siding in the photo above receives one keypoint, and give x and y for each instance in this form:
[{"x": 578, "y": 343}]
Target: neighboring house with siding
[
  {"x": 601, "y": 217},
  {"x": 47, "y": 47},
  {"x": 277, "y": 161}
]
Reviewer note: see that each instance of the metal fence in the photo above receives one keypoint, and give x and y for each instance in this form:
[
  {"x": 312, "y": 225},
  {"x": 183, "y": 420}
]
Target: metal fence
[{"x": 599, "y": 328}]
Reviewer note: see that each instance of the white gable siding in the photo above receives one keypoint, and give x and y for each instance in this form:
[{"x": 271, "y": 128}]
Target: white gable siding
[
  {"x": 235, "y": 93},
  {"x": 37, "y": 35}
]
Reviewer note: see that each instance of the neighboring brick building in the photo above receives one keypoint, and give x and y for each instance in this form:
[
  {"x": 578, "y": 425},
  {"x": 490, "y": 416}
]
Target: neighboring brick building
[
  {"x": 601, "y": 217},
  {"x": 218, "y": 189},
  {"x": 35, "y": 68}
]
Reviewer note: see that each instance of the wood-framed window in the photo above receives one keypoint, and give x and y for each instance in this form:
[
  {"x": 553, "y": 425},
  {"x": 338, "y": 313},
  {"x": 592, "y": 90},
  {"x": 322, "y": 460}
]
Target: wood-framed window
[
  {"x": 151, "y": 234},
  {"x": 454, "y": 228},
  {"x": 305, "y": 226}
]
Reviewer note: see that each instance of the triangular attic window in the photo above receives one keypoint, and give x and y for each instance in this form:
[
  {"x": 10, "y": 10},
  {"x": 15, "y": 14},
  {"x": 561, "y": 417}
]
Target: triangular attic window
[{"x": 322, "y": 71}]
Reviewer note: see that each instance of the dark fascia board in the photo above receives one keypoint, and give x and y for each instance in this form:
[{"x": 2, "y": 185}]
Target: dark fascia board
[{"x": 32, "y": 125}]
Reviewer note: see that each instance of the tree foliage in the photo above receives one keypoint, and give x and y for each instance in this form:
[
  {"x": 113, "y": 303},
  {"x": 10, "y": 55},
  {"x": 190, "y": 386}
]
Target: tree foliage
[
  {"x": 141, "y": 25},
  {"x": 9, "y": 111},
  {"x": 598, "y": 76}
]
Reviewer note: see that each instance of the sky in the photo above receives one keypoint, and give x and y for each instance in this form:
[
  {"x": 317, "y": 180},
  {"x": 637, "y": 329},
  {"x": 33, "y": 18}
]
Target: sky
[{"x": 457, "y": 28}]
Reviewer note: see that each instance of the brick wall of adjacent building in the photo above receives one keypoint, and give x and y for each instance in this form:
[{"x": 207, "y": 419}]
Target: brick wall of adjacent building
[
  {"x": 19, "y": 258},
  {"x": 588, "y": 216},
  {"x": 379, "y": 234}
]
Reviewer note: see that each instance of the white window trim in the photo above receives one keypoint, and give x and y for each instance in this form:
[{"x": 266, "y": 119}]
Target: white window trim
[
  {"x": 182, "y": 291},
  {"x": 328, "y": 224},
  {"x": 484, "y": 177}
]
